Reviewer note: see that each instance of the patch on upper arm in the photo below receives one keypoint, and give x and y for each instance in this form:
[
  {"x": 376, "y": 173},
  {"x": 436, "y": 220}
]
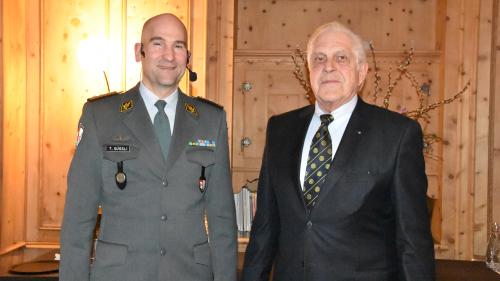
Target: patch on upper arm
[{"x": 79, "y": 134}]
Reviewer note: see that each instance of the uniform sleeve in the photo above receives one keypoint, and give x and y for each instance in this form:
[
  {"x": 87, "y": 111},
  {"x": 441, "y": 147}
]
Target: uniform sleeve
[
  {"x": 262, "y": 247},
  {"x": 413, "y": 237},
  {"x": 82, "y": 200},
  {"x": 221, "y": 211}
]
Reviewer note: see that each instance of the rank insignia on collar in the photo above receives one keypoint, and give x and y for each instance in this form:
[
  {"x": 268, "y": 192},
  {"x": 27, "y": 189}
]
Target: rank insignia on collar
[
  {"x": 126, "y": 105},
  {"x": 191, "y": 109}
]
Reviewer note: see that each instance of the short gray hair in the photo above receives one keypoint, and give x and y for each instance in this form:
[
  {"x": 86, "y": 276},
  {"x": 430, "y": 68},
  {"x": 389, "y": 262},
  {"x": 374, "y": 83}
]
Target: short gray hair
[{"x": 334, "y": 26}]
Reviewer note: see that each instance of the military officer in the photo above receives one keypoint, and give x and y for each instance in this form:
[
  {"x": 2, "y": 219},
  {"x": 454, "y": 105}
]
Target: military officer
[{"x": 157, "y": 163}]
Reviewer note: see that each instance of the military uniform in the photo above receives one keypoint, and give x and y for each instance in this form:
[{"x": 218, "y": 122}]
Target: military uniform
[{"x": 153, "y": 228}]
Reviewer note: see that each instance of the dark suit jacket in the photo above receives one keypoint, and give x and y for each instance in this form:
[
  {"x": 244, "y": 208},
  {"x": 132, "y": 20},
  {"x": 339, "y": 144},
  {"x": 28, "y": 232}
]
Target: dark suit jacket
[
  {"x": 154, "y": 228},
  {"x": 370, "y": 222}
]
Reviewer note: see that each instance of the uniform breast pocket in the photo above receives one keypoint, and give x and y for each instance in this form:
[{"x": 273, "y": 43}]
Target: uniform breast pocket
[
  {"x": 203, "y": 156},
  {"x": 118, "y": 157}
]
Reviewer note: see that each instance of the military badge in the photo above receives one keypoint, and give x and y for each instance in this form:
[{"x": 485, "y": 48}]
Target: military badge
[
  {"x": 79, "y": 134},
  {"x": 191, "y": 109},
  {"x": 126, "y": 105}
]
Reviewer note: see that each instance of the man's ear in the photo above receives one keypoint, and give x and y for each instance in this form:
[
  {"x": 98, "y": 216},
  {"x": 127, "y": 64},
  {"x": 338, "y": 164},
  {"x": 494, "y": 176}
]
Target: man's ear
[{"x": 137, "y": 51}]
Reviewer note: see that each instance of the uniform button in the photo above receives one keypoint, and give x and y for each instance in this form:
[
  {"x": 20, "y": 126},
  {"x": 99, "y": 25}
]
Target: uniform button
[
  {"x": 163, "y": 218},
  {"x": 162, "y": 252},
  {"x": 309, "y": 224},
  {"x": 164, "y": 183}
]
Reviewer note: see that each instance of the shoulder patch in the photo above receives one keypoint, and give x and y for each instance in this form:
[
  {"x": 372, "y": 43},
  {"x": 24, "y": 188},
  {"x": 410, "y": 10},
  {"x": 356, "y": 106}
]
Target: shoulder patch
[
  {"x": 103, "y": 96},
  {"x": 210, "y": 102}
]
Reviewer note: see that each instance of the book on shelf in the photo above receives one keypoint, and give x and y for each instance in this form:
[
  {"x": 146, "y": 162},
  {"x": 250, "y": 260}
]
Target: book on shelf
[{"x": 246, "y": 203}]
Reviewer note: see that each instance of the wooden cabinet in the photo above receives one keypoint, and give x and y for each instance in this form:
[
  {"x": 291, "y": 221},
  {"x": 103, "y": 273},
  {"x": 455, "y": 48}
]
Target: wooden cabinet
[{"x": 264, "y": 85}]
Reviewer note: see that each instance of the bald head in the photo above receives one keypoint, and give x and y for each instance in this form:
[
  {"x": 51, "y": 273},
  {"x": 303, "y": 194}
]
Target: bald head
[{"x": 162, "y": 21}]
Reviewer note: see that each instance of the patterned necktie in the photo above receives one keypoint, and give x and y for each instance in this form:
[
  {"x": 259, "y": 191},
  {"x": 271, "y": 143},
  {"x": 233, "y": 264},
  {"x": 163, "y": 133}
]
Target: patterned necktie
[
  {"x": 162, "y": 127},
  {"x": 318, "y": 162}
]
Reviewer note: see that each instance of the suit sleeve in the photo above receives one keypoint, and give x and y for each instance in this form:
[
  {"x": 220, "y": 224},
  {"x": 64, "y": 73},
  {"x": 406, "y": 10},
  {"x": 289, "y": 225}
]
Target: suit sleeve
[
  {"x": 414, "y": 241},
  {"x": 221, "y": 212},
  {"x": 261, "y": 250},
  {"x": 82, "y": 200}
]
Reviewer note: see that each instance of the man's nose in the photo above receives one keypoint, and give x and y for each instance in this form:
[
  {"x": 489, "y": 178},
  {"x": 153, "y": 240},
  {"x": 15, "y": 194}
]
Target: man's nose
[
  {"x": 331, "y": 65},
  {"x": 168, "y": 54}
]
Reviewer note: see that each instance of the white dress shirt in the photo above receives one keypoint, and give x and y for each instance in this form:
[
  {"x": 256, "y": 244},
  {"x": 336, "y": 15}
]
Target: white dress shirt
[
  {"x": 150, "y": 99},
  {"x": 336, "y": 129}
]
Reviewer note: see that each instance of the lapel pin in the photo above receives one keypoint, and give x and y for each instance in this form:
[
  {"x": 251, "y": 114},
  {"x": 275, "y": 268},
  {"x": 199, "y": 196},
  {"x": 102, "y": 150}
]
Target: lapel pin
[
  {"x": 191, "y": 109},
  {"x": 126, "y": 106}
]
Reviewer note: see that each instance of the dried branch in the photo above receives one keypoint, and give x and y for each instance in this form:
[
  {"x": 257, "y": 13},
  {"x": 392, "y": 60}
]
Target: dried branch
[
  {"x": 299, "y": 74},
  {"x": 376, "y": 88}
]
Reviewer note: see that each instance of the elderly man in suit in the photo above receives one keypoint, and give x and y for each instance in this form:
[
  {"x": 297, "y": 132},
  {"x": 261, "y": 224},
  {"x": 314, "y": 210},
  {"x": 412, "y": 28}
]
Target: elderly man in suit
[
  {"x": 157, "y": 163},
  {"x": 342, "y": 188}
]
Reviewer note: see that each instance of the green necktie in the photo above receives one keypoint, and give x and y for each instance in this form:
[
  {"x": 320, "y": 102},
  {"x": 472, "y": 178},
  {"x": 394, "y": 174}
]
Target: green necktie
[
  {"x": 318, "y": 162},
  {"x": 162, "y": 127}
]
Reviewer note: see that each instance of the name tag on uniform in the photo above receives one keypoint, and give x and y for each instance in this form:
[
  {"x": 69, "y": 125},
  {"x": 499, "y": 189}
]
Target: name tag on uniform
[{"x": 117, "y": 148}]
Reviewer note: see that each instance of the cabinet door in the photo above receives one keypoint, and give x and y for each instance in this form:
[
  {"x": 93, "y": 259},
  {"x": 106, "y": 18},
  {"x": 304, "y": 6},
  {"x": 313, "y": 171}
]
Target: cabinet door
[{"x": 262, "y": 87}]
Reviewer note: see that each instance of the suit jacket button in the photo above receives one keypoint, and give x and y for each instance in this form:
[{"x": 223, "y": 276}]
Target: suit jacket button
[
  {"x": 162, "y": 252},
  {"x": 163, "y": 218},
  {"x": 164, "y": 183},
  {"x": 309, "y": 224}
]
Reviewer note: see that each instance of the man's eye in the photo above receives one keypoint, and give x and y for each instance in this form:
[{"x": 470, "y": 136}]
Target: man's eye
[
  {"x": 157, "y": 44},
  {"x": 319, "y": 59},
  {"x": 179, "y": 46},
  {"x": 342, "y": 59}
]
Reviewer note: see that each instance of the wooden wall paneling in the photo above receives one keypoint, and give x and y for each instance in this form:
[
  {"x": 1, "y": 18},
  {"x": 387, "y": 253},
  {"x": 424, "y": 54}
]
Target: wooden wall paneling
[
  {"x": 1, "y": 105},
  {"x": 13, "y": 126},
  {"x": 14, "y": 87},
  {"x": 468, "y": 130},
  {"x": 219, "y": 56},
  {"x": 71, "y": 71},
  {"x": 116, "y": 35},
  {"x": 450, "y": 58},
  {"x": 483, "y": 128},
  {"x": 399, "y": 22},
  {"x": 460, "y": 65},
  {"x": 495, "y": 187},
  {"x": 197, "y": 45},
  {"x": 34, "y": 206}
]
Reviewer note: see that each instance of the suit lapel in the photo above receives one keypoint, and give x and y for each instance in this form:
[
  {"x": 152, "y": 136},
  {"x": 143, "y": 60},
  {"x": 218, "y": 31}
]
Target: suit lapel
[
  {"x": 139, "y": 123},
  {"x": 356, "y": 128},
  {"x": 302, "y": 125},
  {"x": 184, "y": 127}
]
